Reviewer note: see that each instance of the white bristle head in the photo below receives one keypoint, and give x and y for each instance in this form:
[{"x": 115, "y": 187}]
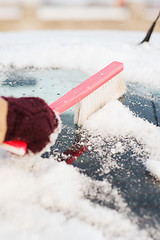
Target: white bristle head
[{"x": 110, "y": 91}]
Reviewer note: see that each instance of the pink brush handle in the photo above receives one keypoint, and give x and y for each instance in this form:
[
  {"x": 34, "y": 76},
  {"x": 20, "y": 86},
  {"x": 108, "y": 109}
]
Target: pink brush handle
[{"x": 85, "y": 88}]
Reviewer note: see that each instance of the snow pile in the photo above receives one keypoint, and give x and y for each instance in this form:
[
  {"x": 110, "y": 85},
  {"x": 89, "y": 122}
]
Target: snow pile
[
  {"x": 65, "y": 49},
  {"x": 41, "y": 198},
  {"x": 117, "y": 120}
]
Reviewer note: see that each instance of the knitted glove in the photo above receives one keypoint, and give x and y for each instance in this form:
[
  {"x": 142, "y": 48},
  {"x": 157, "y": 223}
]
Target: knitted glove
[{"x": 31, "y": 120}]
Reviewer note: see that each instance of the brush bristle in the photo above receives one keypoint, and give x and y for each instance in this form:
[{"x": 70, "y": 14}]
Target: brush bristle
[{"x": 110, "y": 91}]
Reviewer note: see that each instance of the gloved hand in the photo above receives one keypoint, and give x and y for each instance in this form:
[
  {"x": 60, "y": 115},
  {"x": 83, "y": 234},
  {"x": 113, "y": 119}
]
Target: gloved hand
[{"x": 28, "y": 119}]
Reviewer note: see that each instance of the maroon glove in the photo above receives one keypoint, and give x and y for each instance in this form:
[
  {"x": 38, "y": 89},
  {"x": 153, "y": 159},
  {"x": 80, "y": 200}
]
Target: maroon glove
[{"x": 31, "y": 120}]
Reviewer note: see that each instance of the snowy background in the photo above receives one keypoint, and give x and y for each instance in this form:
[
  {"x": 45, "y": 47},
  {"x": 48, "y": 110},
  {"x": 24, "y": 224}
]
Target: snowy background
[
  {"x": 79, "y": 2},
  {"x": 42, "y": 198}
]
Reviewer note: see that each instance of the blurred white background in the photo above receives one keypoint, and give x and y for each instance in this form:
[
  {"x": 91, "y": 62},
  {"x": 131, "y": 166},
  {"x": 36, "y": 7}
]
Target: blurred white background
[{"x": 18, "y": 15}]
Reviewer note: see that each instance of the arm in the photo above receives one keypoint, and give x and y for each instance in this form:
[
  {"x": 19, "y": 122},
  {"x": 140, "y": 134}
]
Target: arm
[{"x": 3, "y": 119}]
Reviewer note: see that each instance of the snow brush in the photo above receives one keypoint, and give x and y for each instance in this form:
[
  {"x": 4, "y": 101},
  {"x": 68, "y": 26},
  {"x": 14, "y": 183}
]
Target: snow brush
[{"x": 89, "y": 96}]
